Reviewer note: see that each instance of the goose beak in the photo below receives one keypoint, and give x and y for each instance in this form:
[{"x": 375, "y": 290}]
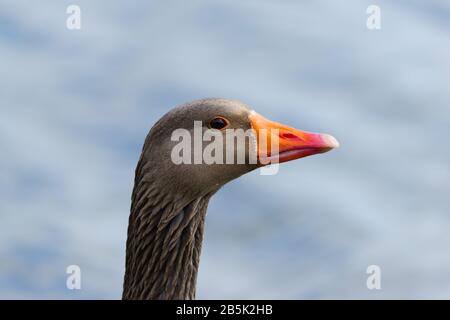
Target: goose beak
[{"x": 280, "y": 143}]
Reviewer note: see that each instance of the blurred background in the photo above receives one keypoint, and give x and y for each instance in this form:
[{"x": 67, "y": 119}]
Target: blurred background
[{"x": 76, "y": 105}]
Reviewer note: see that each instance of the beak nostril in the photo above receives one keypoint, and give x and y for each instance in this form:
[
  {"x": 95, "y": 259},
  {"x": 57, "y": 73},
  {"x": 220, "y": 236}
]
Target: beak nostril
[{"x": 289, "y": 136}]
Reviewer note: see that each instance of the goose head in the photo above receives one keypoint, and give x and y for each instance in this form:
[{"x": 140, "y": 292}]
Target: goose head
[{"x": 192, "y": 147}]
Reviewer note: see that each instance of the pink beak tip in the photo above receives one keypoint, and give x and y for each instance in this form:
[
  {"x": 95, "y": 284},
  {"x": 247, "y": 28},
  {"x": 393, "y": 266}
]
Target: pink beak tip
[{"x": 330, "y": 141}]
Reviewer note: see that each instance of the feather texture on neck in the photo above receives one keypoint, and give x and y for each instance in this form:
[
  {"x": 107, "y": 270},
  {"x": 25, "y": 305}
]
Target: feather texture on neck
[{"x": 164, "y": 242}]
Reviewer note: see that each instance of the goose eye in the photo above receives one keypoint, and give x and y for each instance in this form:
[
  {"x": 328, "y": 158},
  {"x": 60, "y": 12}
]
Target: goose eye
[{"x": 218, "y": 123}]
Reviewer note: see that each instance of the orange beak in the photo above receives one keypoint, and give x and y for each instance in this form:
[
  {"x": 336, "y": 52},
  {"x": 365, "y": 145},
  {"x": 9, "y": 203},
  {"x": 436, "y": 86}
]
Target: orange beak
[{"x": 281, "y": 143}]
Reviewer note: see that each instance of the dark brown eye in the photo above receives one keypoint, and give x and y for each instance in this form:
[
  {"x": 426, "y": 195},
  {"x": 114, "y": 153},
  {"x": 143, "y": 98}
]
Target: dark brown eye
[{"x": 218, "y": 123}]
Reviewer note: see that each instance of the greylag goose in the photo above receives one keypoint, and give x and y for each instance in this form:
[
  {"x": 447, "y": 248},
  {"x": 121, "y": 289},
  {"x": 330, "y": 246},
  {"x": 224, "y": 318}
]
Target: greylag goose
[{"x": 170, "y": 199}]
